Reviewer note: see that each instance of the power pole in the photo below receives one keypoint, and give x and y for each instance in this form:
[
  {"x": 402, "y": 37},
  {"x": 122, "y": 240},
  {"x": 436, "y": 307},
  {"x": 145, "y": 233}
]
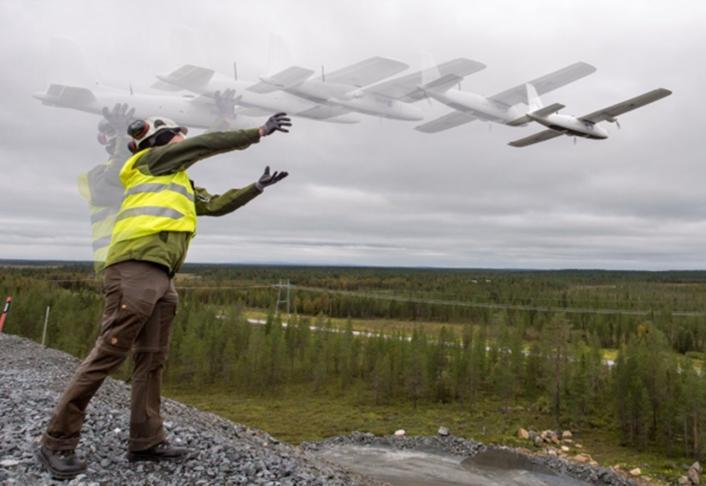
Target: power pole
[
  {"x": 286, "y": 300},
  {"x": 46, "y": 321}
]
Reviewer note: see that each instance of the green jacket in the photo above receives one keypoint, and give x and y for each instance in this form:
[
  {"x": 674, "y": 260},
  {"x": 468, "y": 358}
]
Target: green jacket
[{"x": 169, "y": 248}]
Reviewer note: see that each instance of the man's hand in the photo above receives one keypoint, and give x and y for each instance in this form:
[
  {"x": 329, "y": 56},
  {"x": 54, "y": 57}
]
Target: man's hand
[
  {"x": 267, "y": 179},
  {"x": 119, "y": 117},
  {"x": 225, "y": 103},
  {"x": 276, "y": 122}
]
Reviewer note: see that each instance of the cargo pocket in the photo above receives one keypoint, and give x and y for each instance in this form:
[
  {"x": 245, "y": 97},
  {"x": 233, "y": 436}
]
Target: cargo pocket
[{"x": 130, "y": 316}]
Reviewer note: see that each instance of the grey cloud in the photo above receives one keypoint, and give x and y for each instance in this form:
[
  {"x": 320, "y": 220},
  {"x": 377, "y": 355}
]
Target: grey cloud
[{"x": 380, "y": 192}]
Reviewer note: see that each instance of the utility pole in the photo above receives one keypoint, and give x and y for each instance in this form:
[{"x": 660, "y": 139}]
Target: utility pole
[
  {"x": 46, "y": 321},
  {"x": 286, "y": 300}
]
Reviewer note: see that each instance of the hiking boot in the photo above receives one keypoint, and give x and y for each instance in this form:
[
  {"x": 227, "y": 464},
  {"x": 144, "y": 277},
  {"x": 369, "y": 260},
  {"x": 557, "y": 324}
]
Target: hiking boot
[
  {"x": 61, "y": 464},
  {"x": 160, "y": 452}
]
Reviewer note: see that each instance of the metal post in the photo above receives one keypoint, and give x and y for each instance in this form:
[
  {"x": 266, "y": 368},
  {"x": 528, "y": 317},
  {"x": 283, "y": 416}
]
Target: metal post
[
  {"x": 279, "y": 294},
  {"x": 46, "y": 321},
  {"x": 5, "y": 311}
]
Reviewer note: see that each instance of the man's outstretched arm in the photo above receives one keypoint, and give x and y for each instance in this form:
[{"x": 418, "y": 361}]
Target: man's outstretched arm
[
  {"x": 176, "y": 157},
  {"x": 218, "y": 205}
]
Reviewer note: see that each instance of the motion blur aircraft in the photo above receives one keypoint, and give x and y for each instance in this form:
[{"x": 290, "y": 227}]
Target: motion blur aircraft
[
  {"x": 187, "y": 110},
  {"x": 269, "y": 94},
  {"x": 331, "y": 98},
  {"x": 351, "y": 87},
  {"x": 501, "y": 107},
  {"x": 583, "y": 126}
]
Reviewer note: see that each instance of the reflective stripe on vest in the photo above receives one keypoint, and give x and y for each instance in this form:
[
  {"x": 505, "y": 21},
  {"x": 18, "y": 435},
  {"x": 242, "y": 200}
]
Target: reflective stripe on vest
[
  {"x": 102, "y": 221},
  {"x": 153, "y": 204},
  {"x": 152, "y": 187}
]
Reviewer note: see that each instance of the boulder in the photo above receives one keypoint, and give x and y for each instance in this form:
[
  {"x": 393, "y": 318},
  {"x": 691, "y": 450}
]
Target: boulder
[
  {"x": 443, "y": 431},
  {"x": 522, "y": 434},
  {"x": 399, "y": 433},
  {"x": 636, "y": 473},
  {"x": 565, "y": 449},
  {"x": 582, "y": 458},
  {"x": 566, "y": 434},
  {"x": 683, "y": 481},
  {"x": 694, "y": 475},
  {"x": 538, "y": 440},
  {"x": 697, "y": 467}
]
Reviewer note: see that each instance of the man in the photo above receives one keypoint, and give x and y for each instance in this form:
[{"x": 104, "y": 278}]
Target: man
[
  {"x": 101, "y": 186},
  {"x": 150, "y": 238}
]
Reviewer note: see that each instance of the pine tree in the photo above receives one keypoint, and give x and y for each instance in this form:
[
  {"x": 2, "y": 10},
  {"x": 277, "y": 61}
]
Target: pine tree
[{"x": 555, "y": 339}]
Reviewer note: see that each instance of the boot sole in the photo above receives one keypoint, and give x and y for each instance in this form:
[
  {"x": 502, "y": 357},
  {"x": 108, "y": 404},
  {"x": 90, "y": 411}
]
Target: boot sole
[{"x": 55, "y": 473}]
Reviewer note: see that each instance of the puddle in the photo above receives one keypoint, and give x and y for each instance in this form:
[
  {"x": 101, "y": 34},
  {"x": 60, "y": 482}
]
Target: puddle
[{"x": 417, "y": 468}]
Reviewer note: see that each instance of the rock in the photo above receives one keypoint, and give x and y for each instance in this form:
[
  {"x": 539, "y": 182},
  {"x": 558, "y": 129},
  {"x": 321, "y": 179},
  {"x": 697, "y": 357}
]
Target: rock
[
  {"x": 636, "y": 472},
  {"x": 565, "y": 449},
  {"x": 9, "y": 462},
  {"x": 578, "y": 446},
  {"x": 684, "y": 481},
  {"x": 694, "y": 475},
  {"x": 400, "y": 433},
  {"x": 582, "y": 458},
  {"x": 443, "y": 431},
  {"x": 697, "y": 467},
  {"x": 566, "y": 434},
  {"x": 538, "y": 440},
  {"x": 522, "y": 434}
]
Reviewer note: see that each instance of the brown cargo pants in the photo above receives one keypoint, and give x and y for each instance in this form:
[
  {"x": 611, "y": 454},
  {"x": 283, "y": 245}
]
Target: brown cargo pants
[{"x": 140, "y": 303}]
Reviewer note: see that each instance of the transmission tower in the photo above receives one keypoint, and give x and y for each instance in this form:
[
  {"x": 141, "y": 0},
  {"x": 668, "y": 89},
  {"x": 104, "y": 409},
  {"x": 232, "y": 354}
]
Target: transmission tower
[{"x": 286, "y": 286}]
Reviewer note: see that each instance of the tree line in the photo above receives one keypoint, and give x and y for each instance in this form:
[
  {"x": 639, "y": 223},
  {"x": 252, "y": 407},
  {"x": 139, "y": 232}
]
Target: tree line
[{"x": 551, "y": 362}]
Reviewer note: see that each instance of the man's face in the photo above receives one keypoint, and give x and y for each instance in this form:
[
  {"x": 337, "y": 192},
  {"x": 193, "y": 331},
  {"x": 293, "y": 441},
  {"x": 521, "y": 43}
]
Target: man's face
[{"x": 177, "y": 138}]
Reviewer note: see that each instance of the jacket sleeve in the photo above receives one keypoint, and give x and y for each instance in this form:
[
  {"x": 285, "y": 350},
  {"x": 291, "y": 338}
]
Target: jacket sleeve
[
  {"x": 218, "y": 205},
  {"x": 176, "y": 157}
]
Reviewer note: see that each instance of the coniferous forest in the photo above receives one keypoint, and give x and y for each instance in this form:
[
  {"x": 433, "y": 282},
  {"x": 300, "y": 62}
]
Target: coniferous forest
[{"x": 618, "y": 351}]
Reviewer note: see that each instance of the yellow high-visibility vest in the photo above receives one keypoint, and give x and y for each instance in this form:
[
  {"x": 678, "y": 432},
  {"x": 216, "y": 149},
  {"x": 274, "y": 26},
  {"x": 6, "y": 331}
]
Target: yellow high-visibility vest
[{"x": 152, "y": 204}]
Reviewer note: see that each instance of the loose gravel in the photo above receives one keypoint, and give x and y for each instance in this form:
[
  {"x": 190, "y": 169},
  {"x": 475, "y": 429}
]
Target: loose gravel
[{"x": 224, "y": 453}]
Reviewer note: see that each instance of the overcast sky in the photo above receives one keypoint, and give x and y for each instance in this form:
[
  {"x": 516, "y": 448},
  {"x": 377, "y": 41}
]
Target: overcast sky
[{"x": 379, "y": 192}]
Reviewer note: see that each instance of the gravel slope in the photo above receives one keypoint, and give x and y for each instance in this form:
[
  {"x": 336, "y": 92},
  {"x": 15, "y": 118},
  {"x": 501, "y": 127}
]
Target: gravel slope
[{"x": 31, "y": 379}]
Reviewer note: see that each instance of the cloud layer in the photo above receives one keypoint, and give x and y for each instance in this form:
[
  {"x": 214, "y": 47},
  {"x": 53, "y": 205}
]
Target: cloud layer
[{"x": 379, "y": 192}]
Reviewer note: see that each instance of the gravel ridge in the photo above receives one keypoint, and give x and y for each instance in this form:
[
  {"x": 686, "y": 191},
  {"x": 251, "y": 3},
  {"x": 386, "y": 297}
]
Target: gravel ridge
[{"x": 31, "y": 380}]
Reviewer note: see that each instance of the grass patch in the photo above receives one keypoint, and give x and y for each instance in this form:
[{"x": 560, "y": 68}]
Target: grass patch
[{"x": 299, "y": 413}]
